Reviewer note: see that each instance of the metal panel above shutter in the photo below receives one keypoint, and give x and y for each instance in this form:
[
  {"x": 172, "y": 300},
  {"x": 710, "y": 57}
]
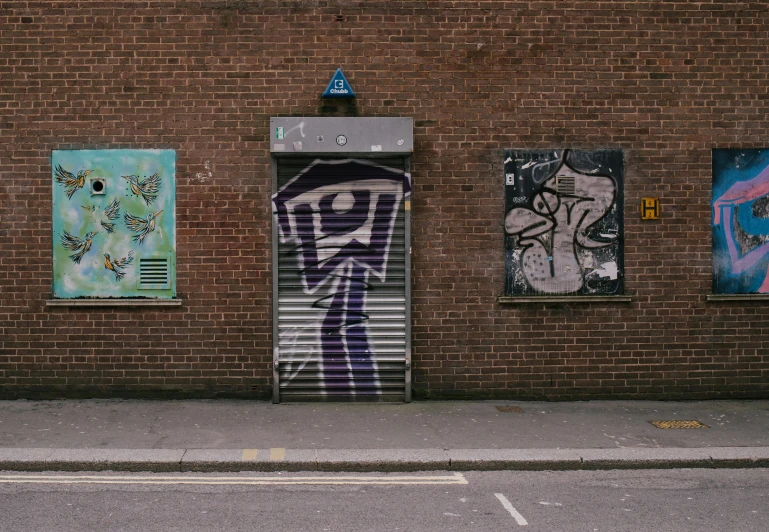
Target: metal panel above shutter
[{"x": 342, "y": 278}]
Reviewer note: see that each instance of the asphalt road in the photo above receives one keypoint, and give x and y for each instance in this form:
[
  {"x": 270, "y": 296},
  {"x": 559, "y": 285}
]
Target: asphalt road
[{"x": 612, "y": 501}]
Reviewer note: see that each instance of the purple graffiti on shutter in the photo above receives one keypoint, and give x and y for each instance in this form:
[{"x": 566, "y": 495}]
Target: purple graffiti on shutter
[{"x": 340, "y": 216}]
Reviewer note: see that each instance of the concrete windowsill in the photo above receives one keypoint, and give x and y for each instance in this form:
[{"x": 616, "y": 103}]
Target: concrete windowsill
[
  {"x": 563, "y": 299},
  {"x": 737, "y": 297},
  {"x": 113, "y": 302}
]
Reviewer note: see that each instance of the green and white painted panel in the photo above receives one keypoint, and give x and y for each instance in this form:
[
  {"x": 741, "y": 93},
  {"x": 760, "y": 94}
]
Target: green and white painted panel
[{"x": 114, "y": 223}]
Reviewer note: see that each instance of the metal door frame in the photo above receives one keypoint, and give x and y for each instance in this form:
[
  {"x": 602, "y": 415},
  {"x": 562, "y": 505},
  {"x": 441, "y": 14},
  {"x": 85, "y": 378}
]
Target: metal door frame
[{"x": 275, "y": 159}]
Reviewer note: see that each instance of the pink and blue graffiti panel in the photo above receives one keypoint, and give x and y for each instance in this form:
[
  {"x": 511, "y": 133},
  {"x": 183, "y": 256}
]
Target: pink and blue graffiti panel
[{"x": 740, "y": 210}]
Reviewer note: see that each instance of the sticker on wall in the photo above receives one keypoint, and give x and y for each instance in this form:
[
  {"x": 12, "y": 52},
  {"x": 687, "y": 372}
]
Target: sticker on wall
[
  {"x": 338, "y": 86},
  {"x": 563, "y": 222},
  {"x": 740, "y": 210},
  {"x": 111, "y": 209}
]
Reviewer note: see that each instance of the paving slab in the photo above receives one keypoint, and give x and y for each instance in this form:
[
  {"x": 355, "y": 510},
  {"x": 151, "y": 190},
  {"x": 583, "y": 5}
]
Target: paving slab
[
  {"x": 212, "y": 460},
  {"x": 156, "y": 460},
  {"x": 514, "y": 459},
  {"x": 24, "y": 459},
  {"x": 739, "y": 456},
  {"x": 636, "y": 458},
  {"x": 382, "y": 460}
]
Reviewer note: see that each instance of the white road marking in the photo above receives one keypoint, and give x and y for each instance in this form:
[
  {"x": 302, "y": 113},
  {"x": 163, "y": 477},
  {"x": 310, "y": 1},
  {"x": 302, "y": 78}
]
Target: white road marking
[
  {"x": 455, "y": 479},
  {"x": 509, "y": 507}
]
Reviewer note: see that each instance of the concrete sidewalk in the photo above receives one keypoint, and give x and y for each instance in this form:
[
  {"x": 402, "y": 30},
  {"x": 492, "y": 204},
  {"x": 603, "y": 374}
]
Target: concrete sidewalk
[{"x": 91, "y": 435}]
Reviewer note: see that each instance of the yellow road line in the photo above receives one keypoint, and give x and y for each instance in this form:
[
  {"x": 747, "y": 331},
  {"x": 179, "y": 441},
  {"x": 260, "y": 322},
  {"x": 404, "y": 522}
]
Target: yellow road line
[
  {"x": 277, "y": 453},
  {"x": 249, "y": 454}
]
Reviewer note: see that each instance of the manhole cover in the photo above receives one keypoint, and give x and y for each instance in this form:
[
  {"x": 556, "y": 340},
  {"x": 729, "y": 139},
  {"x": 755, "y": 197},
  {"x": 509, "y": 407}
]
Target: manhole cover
[
  {"x": 510, "y": 409},
  {"x": 676, "y": 424}
]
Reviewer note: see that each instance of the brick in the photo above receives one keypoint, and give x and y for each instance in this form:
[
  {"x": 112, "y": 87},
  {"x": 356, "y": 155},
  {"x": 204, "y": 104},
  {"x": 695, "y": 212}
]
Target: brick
[{"x": 666, "y": 82}]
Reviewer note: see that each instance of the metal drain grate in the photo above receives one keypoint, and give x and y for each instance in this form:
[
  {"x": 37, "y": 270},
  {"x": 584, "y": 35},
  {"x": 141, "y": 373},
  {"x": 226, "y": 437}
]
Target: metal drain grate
[
  {"x": 676, "y": 424},
  {"x": 511, "y": 409}
]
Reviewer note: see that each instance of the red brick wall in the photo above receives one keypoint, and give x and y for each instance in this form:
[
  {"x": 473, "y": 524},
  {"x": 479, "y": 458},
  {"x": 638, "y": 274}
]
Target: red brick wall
[{"x": 666, "y": 81}]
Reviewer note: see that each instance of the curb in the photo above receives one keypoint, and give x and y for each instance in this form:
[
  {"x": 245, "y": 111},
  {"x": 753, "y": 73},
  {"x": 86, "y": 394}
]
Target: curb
[{"x": 384, "y": 460}]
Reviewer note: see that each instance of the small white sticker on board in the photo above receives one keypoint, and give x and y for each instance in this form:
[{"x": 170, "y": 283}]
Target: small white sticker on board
[
  {"x": 279, "y": 147},
  {"x": 376, "y": 147}
]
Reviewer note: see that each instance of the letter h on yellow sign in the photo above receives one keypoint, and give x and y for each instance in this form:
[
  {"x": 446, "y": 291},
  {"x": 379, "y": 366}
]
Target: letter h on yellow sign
[{"x": 650, "y": 208}]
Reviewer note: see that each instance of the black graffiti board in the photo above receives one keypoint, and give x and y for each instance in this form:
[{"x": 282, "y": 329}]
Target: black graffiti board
[{"x": 563, "y": 222}]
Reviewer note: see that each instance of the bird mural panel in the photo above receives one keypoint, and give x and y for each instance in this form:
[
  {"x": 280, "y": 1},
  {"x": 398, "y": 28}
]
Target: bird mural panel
[
  {"x": 71, "y": 182},
  {"x": 100, "y": 238},
  {"x": 74, "y": 243},
  {"x": 148, "y": 188},
  {"x": 117, "y": 266},
  {"x": 141, "y": 226}
]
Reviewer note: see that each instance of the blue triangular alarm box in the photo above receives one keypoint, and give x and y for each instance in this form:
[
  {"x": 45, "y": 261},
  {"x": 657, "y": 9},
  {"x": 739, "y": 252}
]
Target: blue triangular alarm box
[{"x": 339, "y": 87}]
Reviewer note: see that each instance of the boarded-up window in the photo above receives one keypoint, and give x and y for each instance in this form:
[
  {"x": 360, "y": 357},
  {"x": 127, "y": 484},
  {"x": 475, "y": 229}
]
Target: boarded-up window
[
  {"x": 563, "y": 222},
  {"x": 114, "y": 226}
]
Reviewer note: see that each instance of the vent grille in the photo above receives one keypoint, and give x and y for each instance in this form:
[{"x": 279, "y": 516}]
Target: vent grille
[
  {"x": 565, "y": 184},
  {"x": 153, "y": 273}
]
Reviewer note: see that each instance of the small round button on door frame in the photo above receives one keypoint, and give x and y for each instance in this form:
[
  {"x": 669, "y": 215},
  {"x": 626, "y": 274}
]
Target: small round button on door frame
[{"x": 341, "y": 140}]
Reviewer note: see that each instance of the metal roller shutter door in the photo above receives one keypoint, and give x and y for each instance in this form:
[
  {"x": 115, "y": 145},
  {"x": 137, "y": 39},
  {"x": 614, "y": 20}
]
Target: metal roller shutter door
[{"x": 342, "y": 278}]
